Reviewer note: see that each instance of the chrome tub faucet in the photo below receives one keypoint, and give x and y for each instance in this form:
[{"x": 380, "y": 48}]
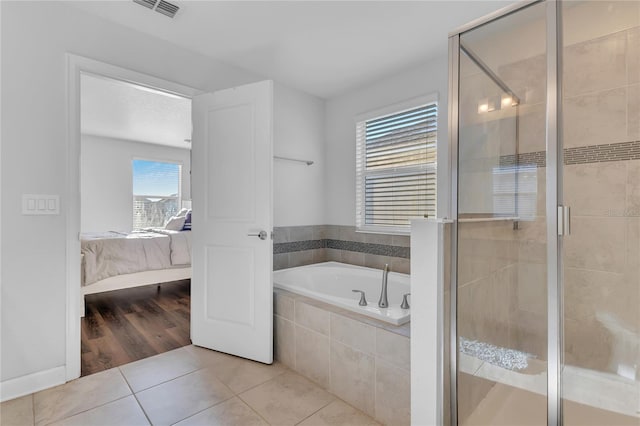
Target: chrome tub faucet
[
  {"x": 363, "y": 299},
  {"x": 383, "y": 302}
]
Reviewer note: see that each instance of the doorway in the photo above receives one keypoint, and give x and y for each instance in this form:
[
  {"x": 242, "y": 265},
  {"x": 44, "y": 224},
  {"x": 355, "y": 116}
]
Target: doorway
[
  {"x": 135, "y": 221},
  {"x": 232, "y": 304},
  {"x": 77, "y": 67}
]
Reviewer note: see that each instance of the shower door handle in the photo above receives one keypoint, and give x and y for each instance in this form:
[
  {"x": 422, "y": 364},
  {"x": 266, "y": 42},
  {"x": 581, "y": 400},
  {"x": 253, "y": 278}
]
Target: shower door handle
[{"x": 564, "y": 221}]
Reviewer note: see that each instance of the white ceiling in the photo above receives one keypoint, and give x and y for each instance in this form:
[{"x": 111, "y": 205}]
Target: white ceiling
[
  {"x": 322, "y": 47},
  {"x": 124, "y": 111}
]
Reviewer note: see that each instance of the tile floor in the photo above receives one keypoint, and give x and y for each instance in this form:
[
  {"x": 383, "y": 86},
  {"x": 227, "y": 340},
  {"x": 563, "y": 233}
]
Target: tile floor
[{"x": 186, "y": 386}]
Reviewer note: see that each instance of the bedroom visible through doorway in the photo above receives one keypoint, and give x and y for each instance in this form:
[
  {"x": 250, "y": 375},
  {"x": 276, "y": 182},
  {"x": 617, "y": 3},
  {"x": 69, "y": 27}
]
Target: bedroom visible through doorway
[{"x": 135, "y": 221}]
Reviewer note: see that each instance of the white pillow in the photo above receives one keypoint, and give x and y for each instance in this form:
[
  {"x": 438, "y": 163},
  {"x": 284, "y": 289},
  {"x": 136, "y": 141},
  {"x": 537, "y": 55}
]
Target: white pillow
[
  {"x": 182, "y": 213},
  {"x": 175, "y": 223}
]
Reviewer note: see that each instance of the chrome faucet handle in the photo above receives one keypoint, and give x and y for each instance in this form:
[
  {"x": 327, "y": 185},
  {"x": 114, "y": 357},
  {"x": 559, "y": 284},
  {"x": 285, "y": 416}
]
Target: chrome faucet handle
[
  {"x": 363, "y": 300},
  {"x": 405, "y": 304}
]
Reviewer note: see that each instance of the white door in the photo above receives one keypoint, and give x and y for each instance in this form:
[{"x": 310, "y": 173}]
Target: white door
[{"x": 231, "y": 285}]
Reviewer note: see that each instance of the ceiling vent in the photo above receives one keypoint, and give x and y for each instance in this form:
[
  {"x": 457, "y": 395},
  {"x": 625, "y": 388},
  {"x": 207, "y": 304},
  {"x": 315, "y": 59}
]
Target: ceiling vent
[
  {"x": 146, "y": 3},
  {"x": 167, "y": 8},
  {"x": 160, "y": 6}
]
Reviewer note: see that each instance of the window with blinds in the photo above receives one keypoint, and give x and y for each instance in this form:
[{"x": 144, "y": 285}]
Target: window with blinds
[
  {"x": 156, "y": 192},
  {"x": 396, "y": 169}
]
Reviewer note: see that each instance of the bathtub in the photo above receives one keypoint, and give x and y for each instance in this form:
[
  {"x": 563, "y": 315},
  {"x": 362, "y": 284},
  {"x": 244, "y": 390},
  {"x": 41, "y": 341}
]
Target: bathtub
[{"x": 332, "y": 282}]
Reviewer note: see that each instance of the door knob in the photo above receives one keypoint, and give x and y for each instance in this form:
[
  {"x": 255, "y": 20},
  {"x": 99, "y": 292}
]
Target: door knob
[{"x": 262, "y": 235}]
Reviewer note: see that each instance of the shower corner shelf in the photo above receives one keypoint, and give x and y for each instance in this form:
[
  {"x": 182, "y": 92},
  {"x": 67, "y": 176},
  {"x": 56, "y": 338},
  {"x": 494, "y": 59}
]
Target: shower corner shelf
[{"x": 488, "y": 219}]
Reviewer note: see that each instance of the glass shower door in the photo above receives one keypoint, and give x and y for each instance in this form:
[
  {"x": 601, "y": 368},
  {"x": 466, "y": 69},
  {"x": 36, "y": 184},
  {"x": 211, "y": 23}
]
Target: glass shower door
[
  {"x": 601, "y": 184},
  {"x": 501, "y": 233}
]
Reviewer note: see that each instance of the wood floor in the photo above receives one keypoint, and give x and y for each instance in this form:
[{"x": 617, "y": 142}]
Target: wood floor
[{"x": 127, "y": 325}]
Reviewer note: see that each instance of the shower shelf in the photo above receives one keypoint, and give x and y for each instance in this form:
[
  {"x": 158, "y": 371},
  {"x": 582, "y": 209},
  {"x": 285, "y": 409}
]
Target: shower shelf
[{"x": 487, "y": 219}]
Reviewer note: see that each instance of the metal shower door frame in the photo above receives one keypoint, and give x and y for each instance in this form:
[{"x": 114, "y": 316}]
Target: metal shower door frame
[{"x": 554, "y": 198}]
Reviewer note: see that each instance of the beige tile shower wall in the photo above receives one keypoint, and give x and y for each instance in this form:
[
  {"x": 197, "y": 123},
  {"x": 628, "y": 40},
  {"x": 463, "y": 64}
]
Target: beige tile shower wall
[
  {"x": 530, "y": 325},
  {"x": 601, "y": 90},
  {"x": 602, "y": 255},
  {"x": 601, "y": 263},
  {"x": 602, "y": 106},
  {"x": 490, "y": 266},
  {"x": 367, "y": 366},
  {"x": 528, "y": 290},
  {"x": 487, "y": 273}
]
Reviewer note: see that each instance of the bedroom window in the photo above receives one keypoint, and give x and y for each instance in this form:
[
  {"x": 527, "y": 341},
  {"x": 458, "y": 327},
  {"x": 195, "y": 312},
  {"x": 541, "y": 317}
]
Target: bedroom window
[
  {"x": 156, "y": 192},
  {"x": 396, "y": 168}
]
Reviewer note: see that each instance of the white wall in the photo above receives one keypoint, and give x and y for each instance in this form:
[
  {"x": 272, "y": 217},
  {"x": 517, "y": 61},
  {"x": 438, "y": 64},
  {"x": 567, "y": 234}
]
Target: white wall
[
  {"x": 427, "y": 321},
  {"x": 106, "y": 179},
  {"x": 340, "y": 145},
  {"x": 299, "y": 133},
  {"x": 298, "y": 188},
  {"x": 35, "y": 37}
]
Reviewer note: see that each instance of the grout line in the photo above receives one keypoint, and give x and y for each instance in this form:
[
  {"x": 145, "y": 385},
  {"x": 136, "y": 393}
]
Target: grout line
[
  {"x": 142, "y": 408},
  {"x": 135, "y": 396},
  {"x": 321, "y": 408},
  {"x": 475, "y": 372},
  {"x": 330, "y": 352},
  {"x": 33, "y": 408},
  {"x": 251, "y": 408},
  {"x": 204, "y": 409},
  {"x": 375, "y": 375},
  {"x": 83, "y": 411},
  {"x": 163, "y": 382},
  {"x": 261, "y": 383},
  {"x": 295, "y": 336},
  {"x": 167, "y": 381},
  {"x": 595, "y": 92}
]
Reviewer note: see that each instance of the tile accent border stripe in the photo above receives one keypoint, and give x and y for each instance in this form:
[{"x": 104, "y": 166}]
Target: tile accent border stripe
[
  {"x": 281, "y": 248},
  {"x": 622, "y": 151},
  {"x": 369, "y": 248},
  {"x": 538, "y": 158},
  {"x": 603, "y": 153},
  {"x": 359, "y": 247}
]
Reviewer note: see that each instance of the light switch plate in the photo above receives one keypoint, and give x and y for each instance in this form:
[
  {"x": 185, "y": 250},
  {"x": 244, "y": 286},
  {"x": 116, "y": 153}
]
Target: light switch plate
[{"x": 40, "y": 204}]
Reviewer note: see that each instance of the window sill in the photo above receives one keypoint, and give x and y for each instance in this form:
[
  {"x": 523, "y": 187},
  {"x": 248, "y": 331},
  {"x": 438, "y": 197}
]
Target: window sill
[{"x": 367, "y": 230}]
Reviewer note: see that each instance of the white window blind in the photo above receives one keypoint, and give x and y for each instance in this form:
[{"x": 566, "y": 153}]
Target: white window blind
[
  {"x": 515, "y": 191},
  {"x": 396, "y": 169},
  {"x": 156, "y": 192}
]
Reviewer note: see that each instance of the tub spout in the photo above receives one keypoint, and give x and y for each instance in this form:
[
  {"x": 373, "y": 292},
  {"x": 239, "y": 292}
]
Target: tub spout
[{"x": 383, "y": 302}]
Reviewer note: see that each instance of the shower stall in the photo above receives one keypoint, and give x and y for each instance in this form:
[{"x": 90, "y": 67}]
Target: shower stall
[{"x": 544, "y": 295}]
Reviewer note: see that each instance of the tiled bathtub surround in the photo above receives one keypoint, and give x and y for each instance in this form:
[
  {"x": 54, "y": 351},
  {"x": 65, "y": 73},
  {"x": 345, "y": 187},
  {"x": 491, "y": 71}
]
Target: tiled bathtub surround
[
  {"x": 363, "y": 361},
  {"x": 303, "y": 245}
]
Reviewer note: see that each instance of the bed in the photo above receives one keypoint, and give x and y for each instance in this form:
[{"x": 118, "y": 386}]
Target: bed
[{"x": 116, "y": 260}]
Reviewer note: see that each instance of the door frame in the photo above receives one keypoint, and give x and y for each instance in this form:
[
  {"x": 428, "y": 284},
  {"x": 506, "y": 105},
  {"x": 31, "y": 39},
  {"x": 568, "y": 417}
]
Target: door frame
[
  {"x": 77, "y": 65},
  {"x": 553, "y": 200}
]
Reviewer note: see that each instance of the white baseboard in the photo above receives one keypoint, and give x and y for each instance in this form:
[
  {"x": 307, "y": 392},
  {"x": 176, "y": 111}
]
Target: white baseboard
[{"x": 25, "y": 385}]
